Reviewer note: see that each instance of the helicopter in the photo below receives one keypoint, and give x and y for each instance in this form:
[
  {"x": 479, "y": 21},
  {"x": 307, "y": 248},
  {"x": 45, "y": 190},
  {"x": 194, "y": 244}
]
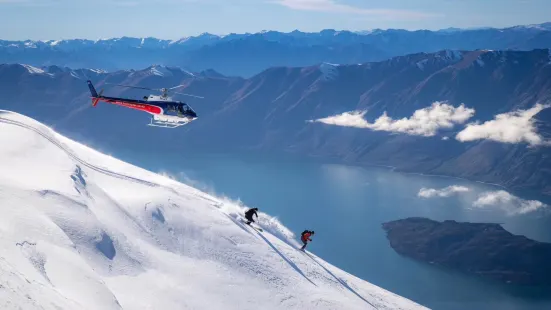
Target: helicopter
[{"x": 166, "y": 112}]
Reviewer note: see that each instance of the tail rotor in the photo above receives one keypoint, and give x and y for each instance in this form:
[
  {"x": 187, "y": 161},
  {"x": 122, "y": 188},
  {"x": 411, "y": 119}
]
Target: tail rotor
[{"x": 95, "y": 96}]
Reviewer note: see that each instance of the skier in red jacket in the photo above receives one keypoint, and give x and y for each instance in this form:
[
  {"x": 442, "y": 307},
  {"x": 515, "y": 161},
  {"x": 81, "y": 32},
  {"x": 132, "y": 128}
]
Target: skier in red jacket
[{"x": 305, "y": 237}]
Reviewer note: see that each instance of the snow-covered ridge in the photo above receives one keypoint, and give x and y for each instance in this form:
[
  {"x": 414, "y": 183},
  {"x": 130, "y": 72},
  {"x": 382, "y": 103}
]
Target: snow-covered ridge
[
  {"x": 85, "y": 74},
  {"x": 83, "y": 230},
  {"x": 35, "y": 70}
]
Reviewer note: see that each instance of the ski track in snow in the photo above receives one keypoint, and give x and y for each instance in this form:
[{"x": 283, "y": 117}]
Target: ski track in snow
[
  {"x": 82, "y": 230},
  {"x": 72, "y": 155}
]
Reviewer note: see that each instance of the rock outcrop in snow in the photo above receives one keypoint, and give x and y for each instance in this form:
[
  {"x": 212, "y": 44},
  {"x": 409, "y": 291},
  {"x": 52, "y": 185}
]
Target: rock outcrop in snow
[{"x": 82, "y": 230}]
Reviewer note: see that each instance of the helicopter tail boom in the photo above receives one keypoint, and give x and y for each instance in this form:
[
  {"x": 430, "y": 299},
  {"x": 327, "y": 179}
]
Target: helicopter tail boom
[
  {"x": 95, "y": 97},
  {"x": 92, "y": 89}
]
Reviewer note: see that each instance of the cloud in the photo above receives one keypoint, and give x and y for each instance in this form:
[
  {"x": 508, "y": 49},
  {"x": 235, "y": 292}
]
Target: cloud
[
  {"x": 502, "y": 200},
  {"x": 445, "y": 192},
  {"x": 423, "y": 122},
  {"x": 335, "y": 7},
  {"x": 507, "y": 202},
  {"x": 512, "y": 127}
]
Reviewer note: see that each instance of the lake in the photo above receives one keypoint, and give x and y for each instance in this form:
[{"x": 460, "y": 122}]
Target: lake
[{"x": 346, "y": 206}]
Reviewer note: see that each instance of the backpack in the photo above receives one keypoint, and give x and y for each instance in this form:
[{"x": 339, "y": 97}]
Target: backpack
[{"x": 302, "y": 234}]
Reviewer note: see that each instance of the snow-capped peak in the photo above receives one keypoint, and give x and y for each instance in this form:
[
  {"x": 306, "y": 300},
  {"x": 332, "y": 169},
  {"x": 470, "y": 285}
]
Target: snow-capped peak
[
  {"x": 364, "y": 32},
  {"x": 98, "y": 71},
  {"x": 179, "y": 41},
  {"x": 160, "y": 70},
  {"x": 30, "y": 44},
  {"x": 35, "y": 70}
]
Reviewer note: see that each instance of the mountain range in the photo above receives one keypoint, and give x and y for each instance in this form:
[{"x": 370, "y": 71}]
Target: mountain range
[
  {"x": 481, "y": 115},
  {"x": 250, "y": 53}
]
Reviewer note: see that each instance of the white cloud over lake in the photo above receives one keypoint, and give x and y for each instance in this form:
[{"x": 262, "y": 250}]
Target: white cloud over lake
[
  {"x": 423, "y": 122},
  {"x": 444, "y": 192},
  {"x": 490, "y": 200},
  {"x": 511, "y": 127},
  {"x": 507, "y": 202}
]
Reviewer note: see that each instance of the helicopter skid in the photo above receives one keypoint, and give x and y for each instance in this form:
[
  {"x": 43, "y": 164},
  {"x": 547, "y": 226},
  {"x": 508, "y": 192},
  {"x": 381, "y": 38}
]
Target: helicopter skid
[{"x": 168, "y": 122}]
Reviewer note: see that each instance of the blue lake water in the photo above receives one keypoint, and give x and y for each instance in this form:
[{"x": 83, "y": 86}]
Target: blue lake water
[{"x": 346, "y": 207}]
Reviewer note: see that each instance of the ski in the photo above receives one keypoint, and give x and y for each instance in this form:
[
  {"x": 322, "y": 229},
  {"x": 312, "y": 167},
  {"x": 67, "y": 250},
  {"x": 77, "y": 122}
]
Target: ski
[{"x": 257, "y": 228}]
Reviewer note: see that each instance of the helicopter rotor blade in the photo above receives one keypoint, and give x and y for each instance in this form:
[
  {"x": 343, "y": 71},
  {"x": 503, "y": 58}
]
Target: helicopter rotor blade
[
  {"x": 176, "y": 87},
  {"x": 132, "y": 86},
  {"x": 156, "y": 89},
  {"x": 189, "y": 95}
]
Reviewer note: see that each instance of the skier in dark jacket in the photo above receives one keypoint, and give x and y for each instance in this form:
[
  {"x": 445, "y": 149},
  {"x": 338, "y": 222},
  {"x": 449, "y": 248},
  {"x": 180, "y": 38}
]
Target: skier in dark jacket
[
  {"x": 249, "y": 215},
  {"x": 305, "y": 237}
]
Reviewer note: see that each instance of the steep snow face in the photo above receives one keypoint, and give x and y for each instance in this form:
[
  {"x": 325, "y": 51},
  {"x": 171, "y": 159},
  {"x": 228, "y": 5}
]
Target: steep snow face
[{"x": 82, "y": 230}]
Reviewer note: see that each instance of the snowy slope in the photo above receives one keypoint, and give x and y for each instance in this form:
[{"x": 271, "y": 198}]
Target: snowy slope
[{"x": 82, "y": 230}]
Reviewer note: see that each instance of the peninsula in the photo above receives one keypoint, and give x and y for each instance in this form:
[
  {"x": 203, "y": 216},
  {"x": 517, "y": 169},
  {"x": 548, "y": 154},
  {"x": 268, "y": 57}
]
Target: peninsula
[{"x": 480, "y": 249}]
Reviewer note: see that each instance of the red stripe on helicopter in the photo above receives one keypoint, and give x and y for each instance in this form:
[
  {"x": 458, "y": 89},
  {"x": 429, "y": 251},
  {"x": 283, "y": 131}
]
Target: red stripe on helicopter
[{"x": 138, "y": 106}]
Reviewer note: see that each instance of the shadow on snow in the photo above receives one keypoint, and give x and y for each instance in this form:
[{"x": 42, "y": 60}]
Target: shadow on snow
[
  {"x": 341, "y": 281},
  {"x": 285, "y": 258}
]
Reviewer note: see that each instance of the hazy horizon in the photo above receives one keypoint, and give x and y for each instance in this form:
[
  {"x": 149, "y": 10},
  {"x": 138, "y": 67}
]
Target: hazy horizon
[{"x": 174, "y": 19}]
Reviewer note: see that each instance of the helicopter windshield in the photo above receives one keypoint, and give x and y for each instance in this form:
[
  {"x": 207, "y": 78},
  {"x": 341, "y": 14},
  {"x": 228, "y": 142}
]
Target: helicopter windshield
[{"x": 184, "y": 108}]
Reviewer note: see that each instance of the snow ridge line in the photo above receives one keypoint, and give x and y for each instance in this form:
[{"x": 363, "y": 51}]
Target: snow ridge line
[{"x": 76, "y": 158}]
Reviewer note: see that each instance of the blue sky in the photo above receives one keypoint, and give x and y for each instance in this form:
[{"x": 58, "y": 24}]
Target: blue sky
[{"x": 173, "y": 19}]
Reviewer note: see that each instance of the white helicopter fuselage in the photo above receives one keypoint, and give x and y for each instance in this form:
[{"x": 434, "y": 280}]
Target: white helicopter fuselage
[{"x": 164, "y": 120}]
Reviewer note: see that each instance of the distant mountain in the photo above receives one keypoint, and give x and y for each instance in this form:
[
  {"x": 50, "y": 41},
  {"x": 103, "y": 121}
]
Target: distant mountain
[
  {"x": 250, "y": 53},
  {"x": 481, "y": 249},
  {"x": 470, "y": 114}
]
